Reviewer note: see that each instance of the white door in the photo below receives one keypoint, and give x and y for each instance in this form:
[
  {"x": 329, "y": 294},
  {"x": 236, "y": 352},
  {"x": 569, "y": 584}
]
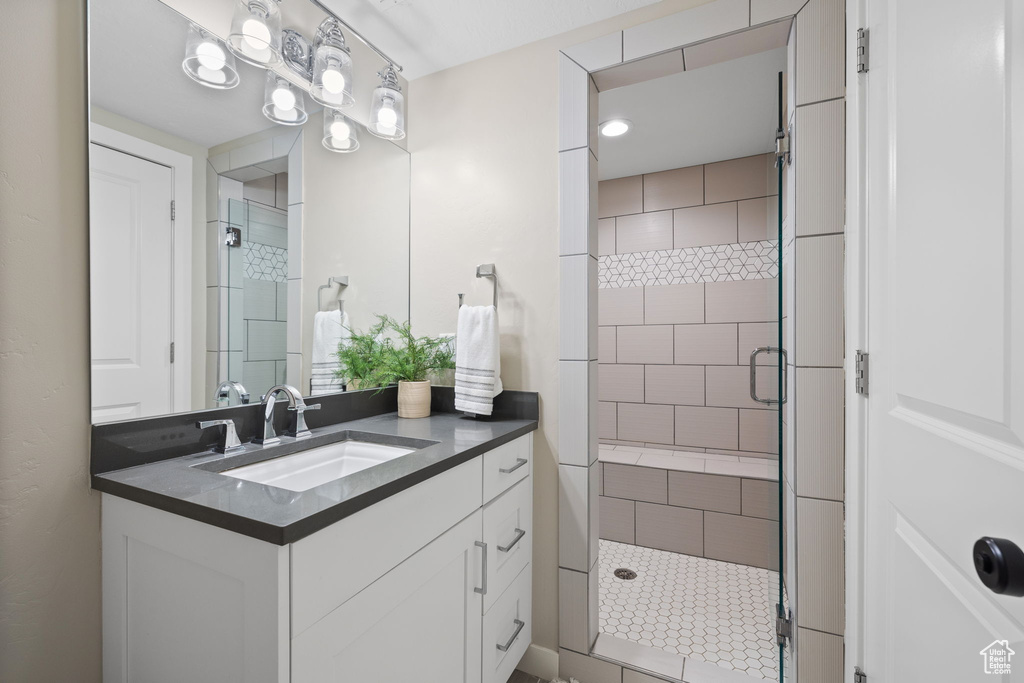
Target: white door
[
  {"x": 130, "y": 285},
  {"x": 419, "y": 622},
  {"x": 945, "y": 458}
]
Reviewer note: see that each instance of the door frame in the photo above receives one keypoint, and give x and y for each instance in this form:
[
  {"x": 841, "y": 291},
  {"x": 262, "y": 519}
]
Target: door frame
[
  {"x": 181, "y": 251},
  {"x": 856, "y": 336}
]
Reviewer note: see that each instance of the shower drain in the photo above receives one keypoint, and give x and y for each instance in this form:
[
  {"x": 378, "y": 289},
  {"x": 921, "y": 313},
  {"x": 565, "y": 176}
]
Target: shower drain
[{"x": 627, "y": 574}]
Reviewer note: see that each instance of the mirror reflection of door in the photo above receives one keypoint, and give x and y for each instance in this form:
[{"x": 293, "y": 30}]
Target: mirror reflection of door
[{"x": 131, "y": 285}]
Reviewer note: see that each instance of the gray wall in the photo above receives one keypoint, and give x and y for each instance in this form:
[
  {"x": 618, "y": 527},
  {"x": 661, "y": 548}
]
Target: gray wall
[{"x": 49, "y": 518}]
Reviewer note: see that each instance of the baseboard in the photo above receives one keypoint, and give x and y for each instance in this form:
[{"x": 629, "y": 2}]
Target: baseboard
[{"x": 540, "y": 662}]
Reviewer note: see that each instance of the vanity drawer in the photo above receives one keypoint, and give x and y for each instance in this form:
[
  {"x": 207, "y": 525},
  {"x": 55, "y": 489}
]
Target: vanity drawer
[
  {"x": 508, "y": 533},
  {"x": 506, "y": 465},
  {"x": 508, "y": 624}
]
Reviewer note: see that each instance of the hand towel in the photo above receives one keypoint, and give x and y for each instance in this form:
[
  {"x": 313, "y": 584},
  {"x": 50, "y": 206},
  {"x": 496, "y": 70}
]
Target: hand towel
[
  {"x": 330, "y": 328},
  {"x": 477, "y": 360}
]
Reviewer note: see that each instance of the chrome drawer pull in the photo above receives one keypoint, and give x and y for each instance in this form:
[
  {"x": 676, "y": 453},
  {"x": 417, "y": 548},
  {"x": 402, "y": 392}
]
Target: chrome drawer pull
[
  {"x": 519, "y": 627},
  {"x": 482, "y": 590},
  {"x": 519, "y": 463},
  {"x": 519, "y": 535}
]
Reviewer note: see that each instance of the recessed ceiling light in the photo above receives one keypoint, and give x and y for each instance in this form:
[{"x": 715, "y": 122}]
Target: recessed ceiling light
[{"x": 615, "y": 127}]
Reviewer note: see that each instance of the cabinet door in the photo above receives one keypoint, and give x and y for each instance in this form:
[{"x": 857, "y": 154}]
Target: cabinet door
[{"x": 418, "y": 622}]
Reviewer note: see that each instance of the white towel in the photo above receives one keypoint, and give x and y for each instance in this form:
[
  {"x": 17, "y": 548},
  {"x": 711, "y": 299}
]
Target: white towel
[
  {"x": 330, "y": 328},
  {"x": 477, "y": 360}
]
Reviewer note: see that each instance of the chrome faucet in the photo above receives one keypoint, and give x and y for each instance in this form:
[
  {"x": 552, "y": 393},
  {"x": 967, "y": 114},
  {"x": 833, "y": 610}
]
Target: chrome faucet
[
  {"x": 230, "y": 441},
  {"x": 223, "y": 392},
  {"x": 295, "y": 404}
]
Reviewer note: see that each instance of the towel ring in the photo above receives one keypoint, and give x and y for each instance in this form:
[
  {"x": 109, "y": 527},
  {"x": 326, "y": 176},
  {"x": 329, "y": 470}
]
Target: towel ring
[{"x": 331, "y": 281}]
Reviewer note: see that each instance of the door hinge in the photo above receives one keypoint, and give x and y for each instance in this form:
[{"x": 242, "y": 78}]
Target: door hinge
[
  {"x": 862, "y": 50},
  {"x": 860, "y": 373},
  {"x": 783, "y": 624},
  {"x": 172, "y": 209},
  {"x": 172, "y": 352},
  {"x": 859, "y": 676}
]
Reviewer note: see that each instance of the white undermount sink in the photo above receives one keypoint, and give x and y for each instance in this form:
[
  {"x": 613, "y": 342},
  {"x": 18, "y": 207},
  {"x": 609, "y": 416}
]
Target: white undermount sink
[{"x": 307, "y": 469}]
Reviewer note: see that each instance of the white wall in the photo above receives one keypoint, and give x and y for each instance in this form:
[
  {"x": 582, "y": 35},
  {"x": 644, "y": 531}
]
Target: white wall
[
  {"x": 483, "y": 137},
  {"x": 199, "y": 154},
  {"x": 49, "y": 518}
]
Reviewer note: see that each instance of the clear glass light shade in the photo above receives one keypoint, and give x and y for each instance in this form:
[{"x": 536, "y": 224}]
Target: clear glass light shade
[
  {"x": 283, "y": 102},
  {"x": 341, "y": 134},
  {"x": 332, "y": 67},
  {"x": 207, "y": 61},
  {"x": 387, "y": 111},
  {"x": 256, "y": 32}
]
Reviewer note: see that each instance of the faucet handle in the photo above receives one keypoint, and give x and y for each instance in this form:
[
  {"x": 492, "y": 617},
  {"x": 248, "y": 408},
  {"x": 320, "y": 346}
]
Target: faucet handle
[
  {"x": 301, "y": 431},
  {"x": 230, "y": 442}
]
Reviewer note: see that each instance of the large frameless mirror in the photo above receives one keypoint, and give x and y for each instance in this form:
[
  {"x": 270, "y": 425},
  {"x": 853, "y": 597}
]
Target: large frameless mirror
[{"x": 228, "y": 207}]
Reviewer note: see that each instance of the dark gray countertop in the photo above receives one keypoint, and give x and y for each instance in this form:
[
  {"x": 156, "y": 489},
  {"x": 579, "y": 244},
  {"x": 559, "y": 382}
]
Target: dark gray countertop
[{"x": 186, "y": 485}]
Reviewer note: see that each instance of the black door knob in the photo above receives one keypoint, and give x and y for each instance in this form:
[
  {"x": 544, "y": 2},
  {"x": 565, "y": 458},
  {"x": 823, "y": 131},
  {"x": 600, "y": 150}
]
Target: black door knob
[{"x": 1000, "y": 565}]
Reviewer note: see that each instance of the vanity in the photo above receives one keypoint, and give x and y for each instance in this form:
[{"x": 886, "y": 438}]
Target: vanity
[{"x": 416, "y": 567}]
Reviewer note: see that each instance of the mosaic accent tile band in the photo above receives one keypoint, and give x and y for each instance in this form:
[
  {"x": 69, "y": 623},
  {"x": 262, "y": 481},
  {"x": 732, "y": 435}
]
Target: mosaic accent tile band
[
  {"x": 264, "y": 262},
  {"x": 744, "y": 261}
]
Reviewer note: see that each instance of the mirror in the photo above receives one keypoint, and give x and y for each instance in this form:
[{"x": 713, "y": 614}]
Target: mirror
[{"x": 217, "y": 234}]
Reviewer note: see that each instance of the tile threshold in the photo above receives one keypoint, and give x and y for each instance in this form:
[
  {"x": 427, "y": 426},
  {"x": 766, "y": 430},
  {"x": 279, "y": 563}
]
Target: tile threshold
[{"x": 689, "y": 461}]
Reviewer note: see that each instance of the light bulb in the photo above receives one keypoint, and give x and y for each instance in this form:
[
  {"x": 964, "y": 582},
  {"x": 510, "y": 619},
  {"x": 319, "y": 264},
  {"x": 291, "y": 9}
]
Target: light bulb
[
  {"x": 255, "y": 34},
  {"x": 386, "y": 117},
  {"x": 212, "y": 76},
  {"x": 340, "y": 131},
  {"x": 284, "y": 99},
  {"x": 334, "y": 81},
  {"x": 211, "y": 56}
]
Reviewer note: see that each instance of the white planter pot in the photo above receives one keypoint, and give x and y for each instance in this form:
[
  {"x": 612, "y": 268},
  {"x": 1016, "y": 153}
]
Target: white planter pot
[{"x": 414, "y": 399}]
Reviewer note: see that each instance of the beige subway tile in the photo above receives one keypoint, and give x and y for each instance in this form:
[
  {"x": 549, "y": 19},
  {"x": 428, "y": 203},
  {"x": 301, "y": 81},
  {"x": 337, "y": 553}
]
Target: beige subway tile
[
  {"x": 735, "y": 179},
  {"x": 674, "y": 189},
  {"x": 705, "y": 344},
  {"x": 759, "y": 219},
  {"x": 741, "y": 301},
  {"x": 820, "y": 564},
  {"x": 705, "y": 225},
  {"x": 620, "y": 196},
  {"x": 624, "y": 306},
  {"x": 745, "y": 540},
  {"x": 640, "y": 70},
  {"x": 675, "y": 385},
  {"x": 644, "y": 344},
  {"x": 759, "y": 430},
  {"x": 667, "y": 304},
  {"x": 643, "y": 232},
  {"x": 574, "y": 665},
  {"x": 707, "y": 427},
  {"x": 635, "y": 483},
  {"x": 606, "y": 344},
  {"x": 572, "y": 609},
  {"x": 757, "y": 335},
  {"x": 820, "y": 656},
  {"x": 606, "y": 420},
  {"x": 728, "y": 386},
  {"x": 820, "y": 423},
  {"x": 704, "y": 492},
  {"x": 652, "y": 423},
  {"x": 605, "y": 236},
  {"x": 760, "y": 498},
  {"x": 617, "y": 522},
  {"x": 679, "y": 530},
  {"x": 620, "y": 383}
]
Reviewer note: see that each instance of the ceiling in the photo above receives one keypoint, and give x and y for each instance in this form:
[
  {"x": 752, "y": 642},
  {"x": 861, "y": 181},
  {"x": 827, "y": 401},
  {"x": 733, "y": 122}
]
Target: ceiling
[
  {"x": 136, "y": 48},
  {"x": 723, "y": 111},
  {"x": 425, "y": 36}
]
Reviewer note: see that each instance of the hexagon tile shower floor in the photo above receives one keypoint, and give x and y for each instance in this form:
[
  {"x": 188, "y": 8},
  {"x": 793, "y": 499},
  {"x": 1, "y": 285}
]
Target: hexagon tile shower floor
[{"x": 714, "y": 611}]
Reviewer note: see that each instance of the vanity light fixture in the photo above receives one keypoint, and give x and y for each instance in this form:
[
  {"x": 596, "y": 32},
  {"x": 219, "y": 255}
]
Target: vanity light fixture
[
  {"x": 613, "y": 128},
  {"x": 207, "y": 62},
  {"x": 387, "y": 111},
  {"x": 255, "y": 35},
  {"x": 341, "y": 134},
  {"x": 332, "y": 66},
  {"x": 283, "y": 102}
]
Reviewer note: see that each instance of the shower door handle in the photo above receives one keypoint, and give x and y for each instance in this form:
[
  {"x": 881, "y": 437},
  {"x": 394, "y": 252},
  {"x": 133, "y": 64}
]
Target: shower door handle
[{"x": 753, "y": 374}]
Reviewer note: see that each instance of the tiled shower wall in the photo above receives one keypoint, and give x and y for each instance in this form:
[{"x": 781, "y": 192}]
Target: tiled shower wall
[{"x": 688, "y": 289}]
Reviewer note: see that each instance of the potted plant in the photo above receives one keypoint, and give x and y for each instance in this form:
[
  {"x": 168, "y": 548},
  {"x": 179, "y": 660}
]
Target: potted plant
[
  {"x": 406, "y": 359},
  {"x": 358, "y": 355}
]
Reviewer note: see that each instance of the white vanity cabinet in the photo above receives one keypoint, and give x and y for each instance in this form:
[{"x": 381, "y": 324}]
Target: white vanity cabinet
[{"x": 431, "y": 584}]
